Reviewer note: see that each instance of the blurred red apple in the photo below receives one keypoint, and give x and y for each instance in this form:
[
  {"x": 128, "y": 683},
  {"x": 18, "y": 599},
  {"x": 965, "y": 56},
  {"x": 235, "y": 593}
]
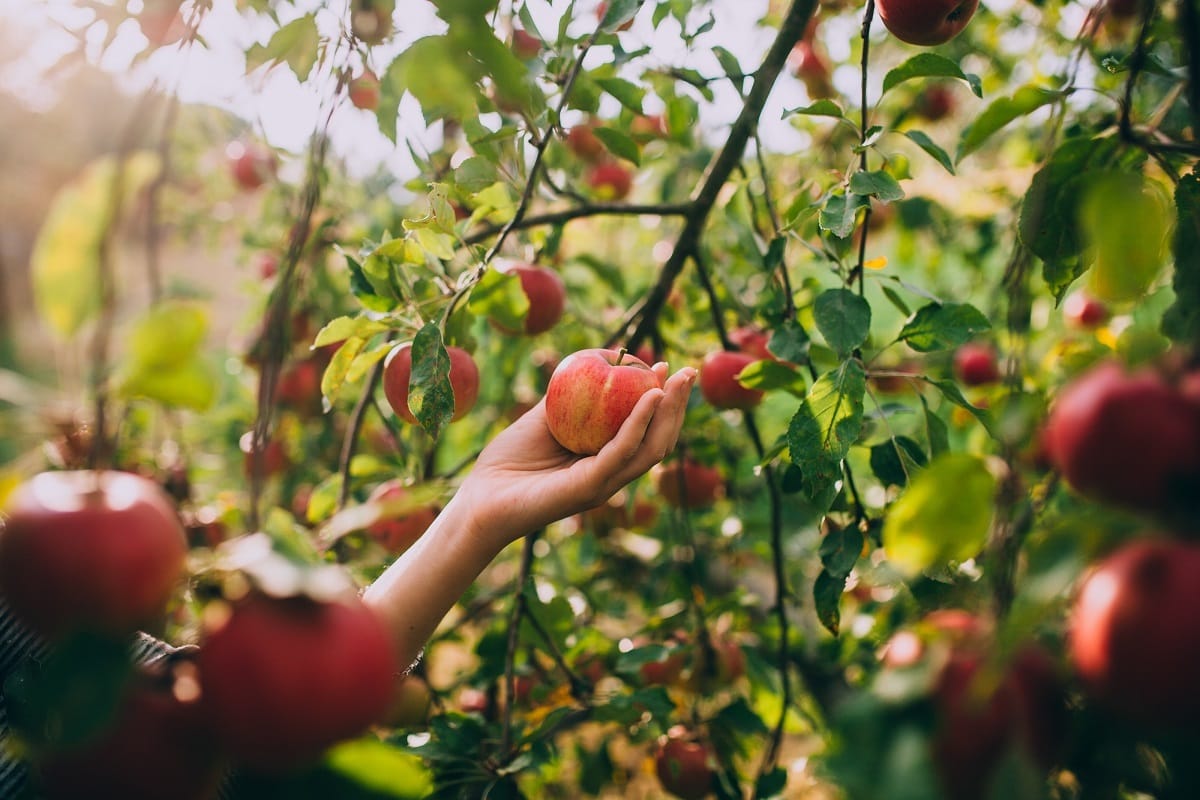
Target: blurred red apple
[
  {"x": 525, "y": 45},
  {"x": 1081, "y": 310},
  {"x": 398, "y": 533},
  {"x": 976, "y": 365},
  {"x": 251, "y": 164},
  {"x": 926, "y": 22},
  {"x": 718, "y": 380},
  {"x": 610, "y": 181},
  {"x": 364, "y": 91},
  {"x": 682, "y": 766},
  {"x": 685, "y": 483}
]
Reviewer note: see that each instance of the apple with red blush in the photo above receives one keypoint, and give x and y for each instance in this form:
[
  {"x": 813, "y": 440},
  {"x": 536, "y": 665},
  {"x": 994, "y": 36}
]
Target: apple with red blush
[
  {"x": 590, "y": 395},
  {"x": 976, "y": 364},
  {"x": 583, "y": 142},
  {"x": 251, "y": 164},
  {"x": 683, "y": 764},
  {"x": 1081, "y": 310},
  {"x": 364, "y": 91},
  {"x": 397, "y": 372},
  {"x": 719, "y": 384},
  {"x": 546, "y": 292},
  {"x": 399, "y": 532},
  {"x": 610, "y": 181},
  {"x": 686, "y": 483},
  {"x": 525, "y": 45},
  {"x": 926, "y": 22}
]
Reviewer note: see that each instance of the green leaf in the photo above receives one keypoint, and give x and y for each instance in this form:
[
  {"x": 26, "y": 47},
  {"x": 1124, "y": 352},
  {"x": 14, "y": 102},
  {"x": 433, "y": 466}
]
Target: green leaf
[
  {"x": 951, "y": 392},
  {"x": 827, "y": 596},
  {"x": 840, "y": 549},
  {"x": 336, "y": 371},
  {"x": 619, "y": 144},
  {"x": 728, "y": 62},
  {"x": 843, "y": 318},
  {"x": 341, "y": 328},
  {"x": 64, "y": 264},
  {"x": 821, "y": 108},
  {"x": 384, "y": 769},
  {"x": 431, "y": 70},
  {"x": 475, "y": 174},
  {"x": 935, "y": 430},
  {"x": 879, "y": 184},
  {"x": 430, "y": 396},
  {"x": 628, "y": 94},
  {"x": 896, "y": 460},
  {"x": 922, "y": 140},
  {"x": 824, "y": 427},
  {"x": 189, "y": 384},
  {"x": 766, "y": 375},
  {"x": 1026, "y": 100},
  {"x": 790, "y": 342},
  {"x": 499, "y": 296},
  {"x": 942, "y": 517},
  {"x": 168, "y": 335},
  {"x": 1181, "y": 321},
  {"x": 297, "y": 44},
  {"x": 1126, "y": 221},
  {"x": 618, "y": 13},
  {"x": 930, "y": 65},
  {"x": 839, "y": 213},
  {"x": 771, "y": 784},
  {"x": 940, "y": 326}
]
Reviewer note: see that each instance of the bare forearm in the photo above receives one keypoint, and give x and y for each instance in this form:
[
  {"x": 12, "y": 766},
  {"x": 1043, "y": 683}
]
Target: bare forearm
[{"x": 420, "y": 587}]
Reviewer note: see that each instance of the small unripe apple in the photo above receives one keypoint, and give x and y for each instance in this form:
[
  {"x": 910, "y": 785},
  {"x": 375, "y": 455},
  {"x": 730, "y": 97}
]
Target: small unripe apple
[
  {"x": 685, "y": 483},
  {"x": 364, "y": 91},
  {"x": 546, "y": 292},
  {"x": 1135, "y": 632},
  {"x": 926, "y": 22},
  {"x": 610, "y": 181},
  {"x": 464, "y": 380},
  {"x": 976, "y": 364},
  {"x": 682, "y": 766},
  {"x": 251, "y": 164},
  {"x": 99, "y": 551},
  {"x": 371, "y": 20},
  {"x": 398, "y": 533},
  {"x": 718, "y": 380},
  {"x": 1129, "y": 439},
  {"x": 268, "y": 265},
  {"x": 590, "y": 395},
  {"x": 1081, "y": 310}
]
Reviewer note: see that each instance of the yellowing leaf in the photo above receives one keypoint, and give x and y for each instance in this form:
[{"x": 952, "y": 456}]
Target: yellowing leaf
[
  {"x": 876, "y": 263},
  {"x": 169, "y": 334},
  {"x": 64, "y": 265},
  {"x": 190, "y": 384},
  {"x": 943, "y": 516}
]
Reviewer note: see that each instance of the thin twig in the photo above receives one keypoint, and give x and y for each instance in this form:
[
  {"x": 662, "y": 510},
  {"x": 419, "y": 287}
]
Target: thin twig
[
  {"x": 514, "y": 628},
  {"x": 580, "y": 212},
  {"x": 354, "y": 428}
]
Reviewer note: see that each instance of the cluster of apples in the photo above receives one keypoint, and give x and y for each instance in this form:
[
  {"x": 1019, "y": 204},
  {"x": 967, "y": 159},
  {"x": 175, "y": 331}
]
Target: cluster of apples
[
  {"x": 1131, "y": 439},
  {"x": 275, "y": 681},
  {"x": 608, "y": 178}
]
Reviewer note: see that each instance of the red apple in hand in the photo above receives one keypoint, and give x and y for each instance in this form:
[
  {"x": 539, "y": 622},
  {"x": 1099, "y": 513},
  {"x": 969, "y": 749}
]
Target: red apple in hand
[
  {"x": 546, "y": 292},
  {"x": 398, "y": 533},
  {"x": 926, "y": 22},
  {"x": 610, "y": 181},
  {"x": 1127, "y": 439},
  {"x": 688, "y": 484},
  {"x": 100, "y": 551},
  {"x": 718, "y": 380},
  {"x": 590, "y": 395},
  {"x": 682, "y": 766},
  {"x": 364, "y": 91},
  {"x": 464, "y": 380},
  {"x": 1135, "y": 632}
]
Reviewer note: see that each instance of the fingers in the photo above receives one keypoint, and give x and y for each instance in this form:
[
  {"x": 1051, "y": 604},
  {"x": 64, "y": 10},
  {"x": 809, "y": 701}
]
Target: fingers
[
  {"x": 661, "y": 370},
  {"x": 649, "y": 434}
]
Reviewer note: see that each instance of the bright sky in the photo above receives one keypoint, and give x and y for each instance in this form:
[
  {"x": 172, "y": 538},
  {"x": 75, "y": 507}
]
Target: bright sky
[{"x": 287, "y": 112}]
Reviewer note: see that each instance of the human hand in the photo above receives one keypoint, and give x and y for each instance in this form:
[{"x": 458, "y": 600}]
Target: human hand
[{"x": 524, "y": 479}]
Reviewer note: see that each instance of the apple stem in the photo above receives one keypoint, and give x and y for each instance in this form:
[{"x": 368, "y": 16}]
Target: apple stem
[{"x": 621, "y": 356}]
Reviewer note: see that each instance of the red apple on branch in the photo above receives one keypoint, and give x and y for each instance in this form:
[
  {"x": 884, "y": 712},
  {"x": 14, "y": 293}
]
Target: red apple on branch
[
  {"x": 546, "y": 292},
  {"x": 590, "y": 395},
  {"x": 926, "y": 22},
  {"x": 610, "y": 181},
  {"x": 682, "y": 765},
  {"x": 100, "y": 551},
  {"x": 1129, "y": 439},
  {"x": 364, "y": 91},
  {"x": 584, "y": 143},
  {"x": 398, "y": 533},
  {"x": 1135, "y": 632},
  {"x": 976, "y": 365},
  {"x": 251, "y": 164},
  {"x": 285, "y": 678},
  {"x": 718, "y": 380},
  {"x": 525, "y": 45},
  {"x": 685, "y": 483},
  {"x": 464, "y": 380},
  {"x": 1081, "y": 310}
]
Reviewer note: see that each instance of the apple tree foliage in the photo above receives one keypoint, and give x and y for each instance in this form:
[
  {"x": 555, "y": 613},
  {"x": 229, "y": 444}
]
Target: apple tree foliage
[{"x": 871, "y": 490}]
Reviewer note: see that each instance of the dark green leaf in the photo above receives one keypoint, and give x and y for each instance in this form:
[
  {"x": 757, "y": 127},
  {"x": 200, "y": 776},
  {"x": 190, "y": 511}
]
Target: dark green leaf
[
  {"x": 618, "y": 13},
  {"x": 940, "y": 326},
  {"x": 930, "y": 65},
  {"x": 790, "y": 342},
  {"x": 771, "y": 785},
  {"x": 951, "y": 392},
  {"x": 1181, "y": 321},
  {"x": 827, "y": 596},
  {"x": 922, "y": 140},
  {"x": 297, "y": 43},
  {"x": 475, "y": 174},
  {"x": 767, "y": 375},
  {"x": 879, "y": 184},
  {"x": 935, "y": 430},
  {"x": 628, "y": 94},
  {"x": 821, "y": 108},
  {"x": 1001, "y": 112},
  {"x": 843, "y": 318},
  {"x": 430, "y": 396},
  {"x": 619, "y": 144},
  {"x": 840, "y": 549},
  {"x": 897, "y": 301},
  {"x": 822, "y": 430},
  {"x": 896, "y": 460},
  {"x": 728, "y": 62},
  {"x": 839, "y": 213}
]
